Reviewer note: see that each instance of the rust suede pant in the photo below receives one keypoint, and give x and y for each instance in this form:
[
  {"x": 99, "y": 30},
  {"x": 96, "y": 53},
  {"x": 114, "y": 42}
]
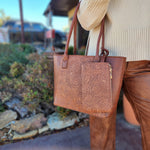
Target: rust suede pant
[{"x": 136, "y": 86}]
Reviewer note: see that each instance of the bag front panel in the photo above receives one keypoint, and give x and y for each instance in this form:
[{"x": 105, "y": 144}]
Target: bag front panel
[{"x": 67, "y": 82}]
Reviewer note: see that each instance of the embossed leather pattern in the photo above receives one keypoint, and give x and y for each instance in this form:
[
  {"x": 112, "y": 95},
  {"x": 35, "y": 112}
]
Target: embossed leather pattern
[
  {"x": 96, "y": 87},
  {"x": 71, "y": 74}
]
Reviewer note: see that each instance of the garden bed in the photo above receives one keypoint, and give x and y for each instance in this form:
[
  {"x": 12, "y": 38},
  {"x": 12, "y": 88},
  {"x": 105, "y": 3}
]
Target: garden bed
[{"x": 26, "y": 96}]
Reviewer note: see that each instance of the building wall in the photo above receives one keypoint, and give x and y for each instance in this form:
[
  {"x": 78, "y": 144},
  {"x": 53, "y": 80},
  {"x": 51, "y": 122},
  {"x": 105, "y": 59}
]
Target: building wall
[{"x": 70, "y": 14}]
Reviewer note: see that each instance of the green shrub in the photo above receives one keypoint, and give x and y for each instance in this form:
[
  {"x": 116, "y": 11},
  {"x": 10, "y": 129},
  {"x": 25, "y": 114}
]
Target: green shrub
[
  {"x": 34, "y": 83},
  {"x": 7, "y": 89},
  {"x": 10, "y": 53},
  {"x": 80, "y": 51},
  {"x": 1, "y": 107},
  {"x": 5, "y": 96},
  {"x": 70, "y": 50},
  {"x": 26, "y": 48},
  {"x": 39, "y": 79},
  {"x": 63, "y": 112},
  {"x": 16, "y": 69}
]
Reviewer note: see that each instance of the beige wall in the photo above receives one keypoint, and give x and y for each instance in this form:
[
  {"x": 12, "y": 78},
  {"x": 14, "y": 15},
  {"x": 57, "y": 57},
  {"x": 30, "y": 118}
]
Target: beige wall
[{"x": 70, "y": 14}]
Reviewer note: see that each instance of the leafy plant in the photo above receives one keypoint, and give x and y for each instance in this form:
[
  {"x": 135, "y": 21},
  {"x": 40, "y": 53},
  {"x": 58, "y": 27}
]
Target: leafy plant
[
  {"x": 70, "y": 50},
  {"x": 80, "y": 51},
  {"x": 7, "y": 88},
  {"x": 63, "y": 112},
  {"x": 5, "y": 96},
  {"x": 1, "y": 107},
  {"x": 27, "y": 49},
  {"x": 16, "y": 69},
  {"x": 33, "y": 81},
  {"x": 10, "y": 53},
  {"x": 3, "y": 17}
]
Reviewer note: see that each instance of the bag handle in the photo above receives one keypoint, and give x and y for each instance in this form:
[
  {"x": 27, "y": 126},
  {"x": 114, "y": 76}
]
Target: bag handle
[
  {"x": 104, "y": 52},
  {"x": 75, "y": 39},
  {"x": 65, "y": 58}
]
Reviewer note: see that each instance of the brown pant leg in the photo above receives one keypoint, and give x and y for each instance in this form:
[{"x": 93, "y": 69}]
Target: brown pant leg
[
  {"x": 137, "y": 90},
  {"x": 103, "y": 132}
]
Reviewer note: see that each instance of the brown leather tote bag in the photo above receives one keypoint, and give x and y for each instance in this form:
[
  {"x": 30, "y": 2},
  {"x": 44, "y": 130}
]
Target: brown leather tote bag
[{"x": 88, "y": 84}]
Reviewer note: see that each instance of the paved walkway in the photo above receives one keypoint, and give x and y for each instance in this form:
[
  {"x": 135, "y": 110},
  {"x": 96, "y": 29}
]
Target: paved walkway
[{"x": 128, "y": 138}]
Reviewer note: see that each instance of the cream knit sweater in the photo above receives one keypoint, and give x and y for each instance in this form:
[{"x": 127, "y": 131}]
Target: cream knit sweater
[{"x": 127, "y": 28}]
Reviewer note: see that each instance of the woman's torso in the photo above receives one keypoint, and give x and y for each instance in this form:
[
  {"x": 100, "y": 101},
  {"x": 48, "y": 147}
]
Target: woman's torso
[{"x": 127, "y": 30}]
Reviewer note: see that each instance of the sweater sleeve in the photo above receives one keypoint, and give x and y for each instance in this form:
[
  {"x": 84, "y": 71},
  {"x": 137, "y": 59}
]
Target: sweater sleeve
[{"x": 91, "y": 13}]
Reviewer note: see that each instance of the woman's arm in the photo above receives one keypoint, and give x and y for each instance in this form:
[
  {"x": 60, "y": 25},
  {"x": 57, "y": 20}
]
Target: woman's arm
[{"x": 91, "y": 13}]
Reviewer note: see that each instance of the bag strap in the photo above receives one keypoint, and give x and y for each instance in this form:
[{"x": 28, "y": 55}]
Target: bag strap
[
  {"x": 75, "y": 39},
  {"x": 104, "y": 52}
]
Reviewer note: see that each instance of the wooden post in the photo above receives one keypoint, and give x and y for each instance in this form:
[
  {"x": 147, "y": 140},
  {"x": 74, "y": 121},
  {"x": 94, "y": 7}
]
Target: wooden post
[{"x": 22, "y": 24}]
